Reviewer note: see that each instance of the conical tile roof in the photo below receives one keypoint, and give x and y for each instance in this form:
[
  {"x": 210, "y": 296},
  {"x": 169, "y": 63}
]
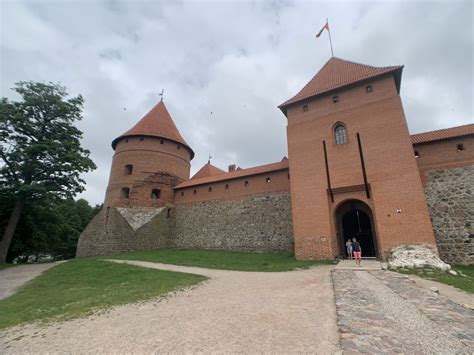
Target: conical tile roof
[
  {"x": 208, "y": 170},
  {"x": 156, "y": 123},
  {"x": 338, "y": 73}
]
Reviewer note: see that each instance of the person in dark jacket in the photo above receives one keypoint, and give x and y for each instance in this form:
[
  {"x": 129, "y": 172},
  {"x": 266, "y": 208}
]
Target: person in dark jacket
[{"x": 356, "y": 250}]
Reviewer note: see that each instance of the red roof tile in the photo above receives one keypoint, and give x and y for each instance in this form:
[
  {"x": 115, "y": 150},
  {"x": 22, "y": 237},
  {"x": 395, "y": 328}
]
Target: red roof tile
[
  {"x": 156, "y": 123},
  {"x": 443, "y": 134},
  {"x": 337, "y": 73},
  {"x": 235, "y": 174},
  {"x": 207, "y": 170}
]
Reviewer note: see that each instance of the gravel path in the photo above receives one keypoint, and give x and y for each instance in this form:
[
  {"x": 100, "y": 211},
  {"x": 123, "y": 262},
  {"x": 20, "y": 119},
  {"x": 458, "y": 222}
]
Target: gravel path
[
  {"x": 233, "y": 312},
  {"x": 383, "y": 312},
  {"x": 16, "y": 276}
]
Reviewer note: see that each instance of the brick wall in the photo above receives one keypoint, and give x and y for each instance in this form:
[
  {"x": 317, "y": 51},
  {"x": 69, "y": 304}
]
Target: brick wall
[
  {"x": 254, "y": 223},
  {"x": 444, "y": 154},
  {"x": 390, "y": 164},
  {"x": 157, "y": 164},
  {"x": 235, "y": 188}
]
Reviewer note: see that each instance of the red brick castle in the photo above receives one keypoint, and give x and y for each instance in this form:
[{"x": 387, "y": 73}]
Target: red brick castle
[{"x": 353, "y": 170}]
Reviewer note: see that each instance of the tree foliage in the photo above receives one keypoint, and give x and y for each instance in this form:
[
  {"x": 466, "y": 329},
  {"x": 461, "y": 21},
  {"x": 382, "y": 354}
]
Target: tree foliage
[
  {"x": 48, "y": 227},
  {"x": 41, "y": 157}
]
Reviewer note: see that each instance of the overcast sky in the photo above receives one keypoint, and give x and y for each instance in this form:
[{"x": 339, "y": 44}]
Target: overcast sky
[{"x": 236, "y": 59}]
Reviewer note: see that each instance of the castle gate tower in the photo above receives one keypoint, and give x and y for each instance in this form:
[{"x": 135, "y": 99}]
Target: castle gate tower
[
  {"x": 352, "y": 165},
  {"x": 150, "y": 159}
]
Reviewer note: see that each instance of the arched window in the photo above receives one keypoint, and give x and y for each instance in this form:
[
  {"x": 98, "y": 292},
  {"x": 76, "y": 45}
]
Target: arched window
[{"x": 340, "y": 134}]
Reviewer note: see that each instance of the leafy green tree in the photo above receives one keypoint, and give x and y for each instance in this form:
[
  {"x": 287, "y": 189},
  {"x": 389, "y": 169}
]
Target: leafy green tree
[{"x": 40, "y": 152}]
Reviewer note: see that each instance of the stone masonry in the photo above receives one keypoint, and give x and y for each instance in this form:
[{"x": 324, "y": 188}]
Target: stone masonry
[
  {"x": 117, "y": 230},
  {"x": 255, "y": 223},
  {"x": 450, "y": 197}
]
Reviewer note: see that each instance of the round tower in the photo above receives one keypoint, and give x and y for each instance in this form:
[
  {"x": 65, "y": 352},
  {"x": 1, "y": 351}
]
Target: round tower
[{"x": 150, "y": 159}]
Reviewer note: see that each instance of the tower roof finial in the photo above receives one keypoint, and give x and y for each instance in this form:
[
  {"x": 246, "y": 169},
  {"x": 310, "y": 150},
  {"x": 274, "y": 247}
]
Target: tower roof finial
[{"x": 161, "y": 94}]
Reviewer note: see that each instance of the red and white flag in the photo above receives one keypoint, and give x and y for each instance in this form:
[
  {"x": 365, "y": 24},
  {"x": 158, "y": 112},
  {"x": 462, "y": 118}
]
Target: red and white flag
[{"x": 326, "y": 26}]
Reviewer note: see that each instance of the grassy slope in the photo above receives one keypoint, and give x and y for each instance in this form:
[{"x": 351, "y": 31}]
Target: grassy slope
[
  {"x": 464, "y": 283},
  {"x": 6, "y": 266},
  {"x": 218, "y": 259},
  {"x": 80, "y": 286}
]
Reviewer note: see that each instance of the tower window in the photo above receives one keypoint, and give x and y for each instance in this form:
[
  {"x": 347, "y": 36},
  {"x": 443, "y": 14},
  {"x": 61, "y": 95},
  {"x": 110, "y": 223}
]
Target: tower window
[
  {"x": 142, "y": 139},
  {"x": 335, "y": 99},
  {"x": 128, "y": 169},
  {"x": 340, "y": 134},
  {"x": 368, "y": 88},
  {"x": 417, "y": 154},
  {"x": 246, "y": 183},
  {"x": 268, "y": 180},
  {"x": 305, "y": 108},
  {"x": 460, "y": 147},
  {"x": 194, "y": 192},
  {"x": 126, "y": 140},
  {"x": 210, "y": 189},
  {"x": 182, "y": 193},
  {"x": 125, "y": 192},
  {"x": 162, "y": 142},
  {"x": 226, "y": 186},
  {"x": 155, "y": 194},
  {"x": 179, "y": 147},
  {"x": 168, "y": 213}
]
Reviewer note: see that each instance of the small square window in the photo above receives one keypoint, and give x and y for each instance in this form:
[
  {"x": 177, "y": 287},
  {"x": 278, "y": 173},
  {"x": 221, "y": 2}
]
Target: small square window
[
  {"x": 460, "y": 147},
  {"x": 162, "y": 142},
  {"x": 226, "y": 186},
  {"x": 268, "y": 180},
  {"x": 128, "y": 169},
  {"x": 417, "y": 154},
  {"x": 182, "y": 193},
  {"x": 368, "y": 88},
  {"x": 142, "y": 139},
  {"x": 305, "y": 108},
  {"x": 210, "y": 189},
  {"x": 179, "y": 147},
  {"x": 194, "y": 192},
  {"x": 125, "y": 192},
  {"x": 335, "y": 99},
  {"x": 246, "y": 183},
  {"x": 126, "y": 140},
  {"x": 155, "y": 194}
]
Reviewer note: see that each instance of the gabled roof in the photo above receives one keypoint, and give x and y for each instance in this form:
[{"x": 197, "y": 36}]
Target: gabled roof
[
  {"x": 208, "y": 170},
  {"x": 282, "y": 165},
  {"x": 440, "y": 134},
  {"x": 338, "y": 73},
  {"x": 156, "y": 123}
]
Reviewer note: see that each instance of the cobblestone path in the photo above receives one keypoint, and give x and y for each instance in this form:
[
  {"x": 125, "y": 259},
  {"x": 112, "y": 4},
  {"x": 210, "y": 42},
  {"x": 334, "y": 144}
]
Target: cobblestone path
[{"x": 384, "y": 312}]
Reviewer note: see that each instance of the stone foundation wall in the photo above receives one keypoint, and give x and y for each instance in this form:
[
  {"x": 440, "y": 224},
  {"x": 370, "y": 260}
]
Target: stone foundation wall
[
  {"x": 255, "y": 223},
  {"x": 125, "y": 229},
  {"x": 450, "y": 196}
]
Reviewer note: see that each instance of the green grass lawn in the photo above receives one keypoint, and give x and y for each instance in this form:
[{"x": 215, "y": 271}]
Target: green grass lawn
[
  {"x": 6, "y": 266},
  {"x": 80, "y": 286},
  {"x": 225, "y": 260},
  {"x": 464, "y": 283}
]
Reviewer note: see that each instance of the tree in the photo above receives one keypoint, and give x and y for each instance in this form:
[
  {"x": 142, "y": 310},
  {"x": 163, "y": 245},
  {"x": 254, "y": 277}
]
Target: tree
[
  {"x": 49, "y": 227},
  {"x": 40, "y": 152}
]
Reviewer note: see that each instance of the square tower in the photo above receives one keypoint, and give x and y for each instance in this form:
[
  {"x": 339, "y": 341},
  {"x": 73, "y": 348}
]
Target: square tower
[{"x": 352, "y": 166}]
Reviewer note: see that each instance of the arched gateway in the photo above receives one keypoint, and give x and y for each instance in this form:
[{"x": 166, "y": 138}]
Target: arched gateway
[{"x": 354, "y": 219}]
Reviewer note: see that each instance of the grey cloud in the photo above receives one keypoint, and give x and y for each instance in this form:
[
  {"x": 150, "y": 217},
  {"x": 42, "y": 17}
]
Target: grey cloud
[{"x": 238, "y": 60}]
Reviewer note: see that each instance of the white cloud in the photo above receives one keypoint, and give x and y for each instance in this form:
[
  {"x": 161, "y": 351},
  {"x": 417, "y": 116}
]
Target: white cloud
[{"x": 236, "y": 59}]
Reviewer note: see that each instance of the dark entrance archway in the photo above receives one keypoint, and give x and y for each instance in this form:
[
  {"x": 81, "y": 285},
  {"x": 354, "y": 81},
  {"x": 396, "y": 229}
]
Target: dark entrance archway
[{"x": 354, "y": 219}]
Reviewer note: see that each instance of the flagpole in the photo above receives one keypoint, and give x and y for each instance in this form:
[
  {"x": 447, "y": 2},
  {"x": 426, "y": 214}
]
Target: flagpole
[{"x": 330, "y": 39}]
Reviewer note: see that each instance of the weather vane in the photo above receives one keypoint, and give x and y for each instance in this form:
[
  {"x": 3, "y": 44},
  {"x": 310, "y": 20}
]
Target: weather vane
[
  {"x": 210, "y": 157},
  {"x": 161, "y": 94}
]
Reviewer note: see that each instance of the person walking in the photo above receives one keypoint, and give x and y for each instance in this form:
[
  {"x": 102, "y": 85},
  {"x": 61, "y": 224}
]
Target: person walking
[
  {"x": 349, "y": 248},
  {"x": 357, "y": 251}
]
